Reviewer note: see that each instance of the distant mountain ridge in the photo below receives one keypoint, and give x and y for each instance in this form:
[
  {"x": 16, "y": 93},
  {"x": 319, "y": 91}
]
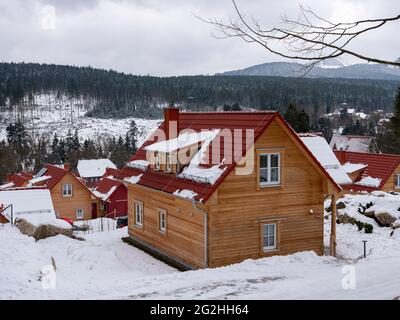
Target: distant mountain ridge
[{"x": 332, "y": 68}]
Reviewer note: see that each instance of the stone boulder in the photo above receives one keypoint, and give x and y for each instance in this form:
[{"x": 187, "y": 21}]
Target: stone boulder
[
  {"x": 42, "y": 231},
  {"x": 384, "y": 219}
]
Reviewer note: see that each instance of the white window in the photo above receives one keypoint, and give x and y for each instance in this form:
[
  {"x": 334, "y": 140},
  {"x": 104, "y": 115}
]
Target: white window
[
  {"x": 162, "y": 220},
  {"x": 270, "y": 169},
  {"x": 168, "y": 163},
  {"x": 157, "y": 163},
  {"x": 67, "y": 190},
  {"x": 397, "y": 180},
  {"x": 138, "y": 213},
  {"x": 269, "y": 236},
  {"x": 79, "y": 213}
]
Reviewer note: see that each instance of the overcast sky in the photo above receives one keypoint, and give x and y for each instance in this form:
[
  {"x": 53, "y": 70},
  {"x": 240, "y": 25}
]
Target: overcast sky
[{"x": 162, "y": 37}]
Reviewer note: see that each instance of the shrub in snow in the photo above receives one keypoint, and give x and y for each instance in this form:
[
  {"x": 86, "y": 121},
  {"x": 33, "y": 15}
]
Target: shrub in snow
[
  {"x": 340, "y": 205},
  {"x": 368, "y": 228}
]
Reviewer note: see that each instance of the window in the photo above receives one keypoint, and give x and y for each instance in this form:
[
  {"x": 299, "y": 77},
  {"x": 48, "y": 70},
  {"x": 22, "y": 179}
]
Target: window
[
  {"x": 168, "y": 163},
  {"x": 67, "y": 190},
  {"x": 270, "y": 172},
  {"x": 269, "y": 236},
  {"x": 157, "y": 162},
  {"x": 138, "y": 214},
  {"x": 397, "y": 180},
  {"x": 162, "y": 220},
  {"x": 79, "y": 213}
]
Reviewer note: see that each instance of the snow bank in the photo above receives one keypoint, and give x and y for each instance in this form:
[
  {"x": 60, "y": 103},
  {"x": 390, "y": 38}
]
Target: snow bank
[
  {"x": 369, "y": 182},
  {"x": 138, "y": 164},
  {"x": 184, "y": 193},
  {"x": 44, "y": 218}
]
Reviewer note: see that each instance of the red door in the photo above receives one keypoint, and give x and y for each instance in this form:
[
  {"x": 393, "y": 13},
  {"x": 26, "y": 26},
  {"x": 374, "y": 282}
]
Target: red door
[{"x": 94, "y": 210}]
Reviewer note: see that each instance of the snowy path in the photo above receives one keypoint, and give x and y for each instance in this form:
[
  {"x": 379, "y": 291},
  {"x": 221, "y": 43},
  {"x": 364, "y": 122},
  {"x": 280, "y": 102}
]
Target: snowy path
[{"x": 103, "y": 267}]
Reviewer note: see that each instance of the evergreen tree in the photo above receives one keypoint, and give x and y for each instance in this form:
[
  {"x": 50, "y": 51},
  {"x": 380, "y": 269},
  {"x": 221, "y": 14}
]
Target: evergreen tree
[
  {"x": 395, "y": 120},
  {"x": 299, "y": 120}
]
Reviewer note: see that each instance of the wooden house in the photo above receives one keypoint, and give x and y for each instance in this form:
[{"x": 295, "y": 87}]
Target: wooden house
[
  {"x": 71, "y": 197},
  {"x": 370, "y": 171},
  {"x": 113, "y": 195},
  {"x": 207, "y": 211}
]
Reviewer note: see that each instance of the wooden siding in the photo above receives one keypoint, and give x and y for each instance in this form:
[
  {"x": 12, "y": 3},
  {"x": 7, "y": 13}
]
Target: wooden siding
[
  {"x": 81, "y": 199},
  {"x": 184, "y": 237},
  {"x": 237, "y": 210},
  {"x": 240, "y": 205},
  {"x": 390, "y": 184}
]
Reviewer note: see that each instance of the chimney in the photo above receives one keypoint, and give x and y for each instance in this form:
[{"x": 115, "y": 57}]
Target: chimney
[
  {"x": 67, "y": 166},
  {"x": 171, "y": 120}
]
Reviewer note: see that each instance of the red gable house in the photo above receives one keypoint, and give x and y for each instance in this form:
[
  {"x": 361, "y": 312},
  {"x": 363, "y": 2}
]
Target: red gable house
[
  {"x": 113, "y": 194},
  {"x": 206, "y": 210},
  {"x": 71, "y": 198},
  {"x": 371, "y": 171}
]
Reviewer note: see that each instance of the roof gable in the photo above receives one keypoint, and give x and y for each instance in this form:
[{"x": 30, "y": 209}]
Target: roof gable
[
  {"x": 258, "y": 122},
  {"x": 378, "y": 165}
]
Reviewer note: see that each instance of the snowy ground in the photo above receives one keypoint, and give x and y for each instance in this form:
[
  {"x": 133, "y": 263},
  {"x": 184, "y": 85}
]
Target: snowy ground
[
  {"x": 103, "y": 267},
  {"x": 51, "y": 115}
]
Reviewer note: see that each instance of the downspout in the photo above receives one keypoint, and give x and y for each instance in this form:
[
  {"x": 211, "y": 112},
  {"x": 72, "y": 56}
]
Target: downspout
[{"x": 205, "y": 214}]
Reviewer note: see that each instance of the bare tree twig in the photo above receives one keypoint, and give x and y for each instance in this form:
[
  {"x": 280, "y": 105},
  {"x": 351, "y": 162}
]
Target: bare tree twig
[{"x": 310, "y": 38}]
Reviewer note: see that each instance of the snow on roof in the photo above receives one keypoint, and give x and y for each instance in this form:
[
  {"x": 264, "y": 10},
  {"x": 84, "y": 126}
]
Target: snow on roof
[
  {"x": 369, "y": 182},
  {"x": 38, "y": 179},
  {"x": 25, "y": 202},
  {"x": 138, "y": 164},
  {"x": 353, "y": 167},
  {"x": 188, "y": 194},
  {"x": 7, "y": 185},
  {"x": 104, "y": 196},
  {"x": 133, "y": 179},
  {"x": 183, "y": 140},
  {"x": 324, "y": 154},
  {"x": 94, "y": 167},
  {"x": 351, "y": 110},
  {"x": 350, "y": 143}
]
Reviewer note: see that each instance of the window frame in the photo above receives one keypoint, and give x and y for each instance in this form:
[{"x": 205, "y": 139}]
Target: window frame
[
  {"x": 277, "y": 232},
  {"x": 397, "y": 180},
  {"x": 269, "y": 168},
  {"x": 135, "y": 214},
  {"x": 168, "y": 165},
  {"x": 66, "y": 195},
  {"x": 162, "y": 229},
  {"x": 83, "y": 213},
  {"x": 275, "y": 246}
]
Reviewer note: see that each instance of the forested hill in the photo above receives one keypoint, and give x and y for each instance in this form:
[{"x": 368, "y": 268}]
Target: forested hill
[{"x": 114, "y": 94}]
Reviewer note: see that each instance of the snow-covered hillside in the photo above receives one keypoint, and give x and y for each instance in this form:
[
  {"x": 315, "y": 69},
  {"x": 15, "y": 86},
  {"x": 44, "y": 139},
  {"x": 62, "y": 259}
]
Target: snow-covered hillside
[
  {"x": 104, "y": 267},
  {"x": 51, "y": 114}
]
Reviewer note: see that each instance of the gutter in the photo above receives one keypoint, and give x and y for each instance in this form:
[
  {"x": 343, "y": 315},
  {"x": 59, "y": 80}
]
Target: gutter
[{"x": 205, "y": 232}]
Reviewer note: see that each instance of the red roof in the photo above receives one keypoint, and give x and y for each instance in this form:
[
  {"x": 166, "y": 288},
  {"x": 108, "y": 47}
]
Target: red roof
[
  {"x": 56, "y": 173},
  {"x": 19, "y": 179},
  {"x": 104, "y": 186},
  {"x": 257, "y": 121},
  {"x": 379, "y": 166}
]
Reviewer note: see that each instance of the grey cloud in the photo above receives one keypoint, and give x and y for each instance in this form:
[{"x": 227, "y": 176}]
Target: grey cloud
[{"x": 161, "y": 37}]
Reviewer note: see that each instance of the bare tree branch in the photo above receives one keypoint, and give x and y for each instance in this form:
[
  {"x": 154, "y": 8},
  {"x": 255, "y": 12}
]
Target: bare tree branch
[{"x": 310, "y": 38}]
